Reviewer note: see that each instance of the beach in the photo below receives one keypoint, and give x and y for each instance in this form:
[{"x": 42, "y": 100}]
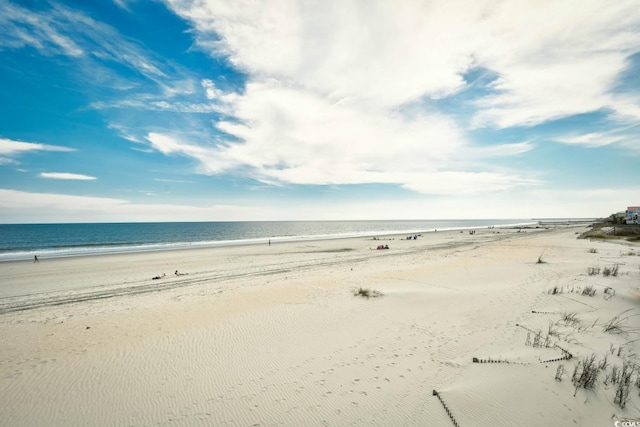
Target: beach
[{"x": 262, "y": 335}]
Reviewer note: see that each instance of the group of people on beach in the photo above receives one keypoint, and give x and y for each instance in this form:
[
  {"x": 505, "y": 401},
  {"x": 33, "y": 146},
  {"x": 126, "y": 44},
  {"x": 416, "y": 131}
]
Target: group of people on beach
[{"x": 161, "y": 276}]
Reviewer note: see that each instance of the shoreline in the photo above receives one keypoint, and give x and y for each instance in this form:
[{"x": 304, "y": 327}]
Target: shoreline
[
  {"x": 265, "y": 335},
  {"x": 51, "y": 253},
  {"x": 121, "y": 270}
]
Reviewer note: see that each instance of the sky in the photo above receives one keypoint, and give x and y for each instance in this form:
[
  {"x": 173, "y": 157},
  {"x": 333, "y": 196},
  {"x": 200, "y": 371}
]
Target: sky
[{"x": 204, "y": 110}]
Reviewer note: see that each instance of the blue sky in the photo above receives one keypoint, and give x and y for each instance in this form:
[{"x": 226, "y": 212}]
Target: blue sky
[{"x": 180, "y": 110}]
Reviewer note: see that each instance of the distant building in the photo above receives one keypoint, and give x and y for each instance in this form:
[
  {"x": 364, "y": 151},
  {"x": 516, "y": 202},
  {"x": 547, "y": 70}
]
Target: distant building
[
  {"x": 631, "y": 215},
  {"x": 618, "y": 217}
]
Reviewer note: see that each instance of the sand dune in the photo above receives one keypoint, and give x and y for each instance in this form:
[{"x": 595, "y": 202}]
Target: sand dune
[{"x": 272, "y": 335}]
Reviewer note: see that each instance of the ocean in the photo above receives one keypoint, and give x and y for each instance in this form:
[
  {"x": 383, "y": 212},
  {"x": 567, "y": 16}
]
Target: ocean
[{"x": 23, "y": 241}]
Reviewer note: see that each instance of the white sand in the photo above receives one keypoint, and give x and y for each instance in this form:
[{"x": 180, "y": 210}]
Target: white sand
[{"x": 261, "y": 335}]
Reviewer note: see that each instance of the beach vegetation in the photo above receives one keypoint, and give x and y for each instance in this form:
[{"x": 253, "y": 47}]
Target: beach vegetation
[
  {"x": 540, "y": 340},
  {"x": 537, "y": 339},
  {"x": 570, "y": 318},
  {"x": 611, "y": 271},
  {"x": 602, "y": 236},
  {"x": 593, "y": 271},
  {"x": 570, "y": 338},
  {"x": 617, "y": 324},
  {"x": 623, "y": 385},
  {"x": 604, "y": 363},
  {"x": 592, "y": 251},
  {"x": 589, "y": 291},
  {"x": 585, "y": 373},
  {"x": 541, "y": 259},
  {"x": 556, "y": 290},
  {"x": 612, "y": 229},
  {"x": 366, "y": 293},
  {"x": 552, "y": 331},
  {"x": 615, "y": 374}
]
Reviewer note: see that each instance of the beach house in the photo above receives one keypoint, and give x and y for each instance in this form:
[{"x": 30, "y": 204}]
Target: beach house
[{"x": 631, "y": 215}]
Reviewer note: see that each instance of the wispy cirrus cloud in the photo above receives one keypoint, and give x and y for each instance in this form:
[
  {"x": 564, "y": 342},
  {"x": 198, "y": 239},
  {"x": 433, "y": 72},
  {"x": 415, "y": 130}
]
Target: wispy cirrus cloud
[
  {"x": 63, "y": 31},
  {"x": 625, "y": 137},
  {"x": 10, "y": 147},
  {"x": 22, "y": 27},
  {"x": 133, "y": 85},
  {"x": 67, "y": 176},
  {"x": 595, "y": 139}
]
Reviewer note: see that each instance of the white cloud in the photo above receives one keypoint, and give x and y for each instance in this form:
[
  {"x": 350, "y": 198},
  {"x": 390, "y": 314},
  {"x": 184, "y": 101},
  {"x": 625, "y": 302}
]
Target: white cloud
[
  {"x": 10, "y": 147},
  {"x": 211, "y": 90},
  {"x": 501, "y": 150},
  {"x": 379, "y": 53},
  {"x": 531, "y": 94},
  {"x": 626, "y": 108},
  {"x": 168, "y": 145},
  {"x": 62, "y": 31},
  {"x": 124, "y": 132},
  {"x": 595, "y": 139},
  {"x": 287, "y": 126},
  {"x": 336, "y": 90},
  {"x": 463, "y": 183},
  {"x": 124, "y": 4},
  {"x": 22, "y": 27},
  {"x": 69, "y": 176},
  {"x": 625, "y": 136},
  {"x": 6, "y": 161},
  {"x": 333, "y": 87},
  {"x": 147, "y": 104},
  {"x": 292, "y": 136},
  {"x": 553, "y": 58}
]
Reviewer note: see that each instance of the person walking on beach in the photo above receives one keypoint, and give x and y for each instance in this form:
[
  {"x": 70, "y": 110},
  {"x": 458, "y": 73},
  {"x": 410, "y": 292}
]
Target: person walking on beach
[{"x": 35, "y": 259}]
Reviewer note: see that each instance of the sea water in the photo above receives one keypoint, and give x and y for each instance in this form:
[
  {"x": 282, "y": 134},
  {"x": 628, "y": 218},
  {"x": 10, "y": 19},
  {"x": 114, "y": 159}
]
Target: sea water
[{"x": 23, "y": 241}]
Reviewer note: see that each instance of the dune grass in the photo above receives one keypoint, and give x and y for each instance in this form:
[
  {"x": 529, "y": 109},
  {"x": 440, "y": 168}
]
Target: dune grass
[
  {"x": 611, "y": 271},
  {"x": 570, "y": 318},
  {"x": 366, "y": 293},
  {"x": 593, "y": 271}
]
